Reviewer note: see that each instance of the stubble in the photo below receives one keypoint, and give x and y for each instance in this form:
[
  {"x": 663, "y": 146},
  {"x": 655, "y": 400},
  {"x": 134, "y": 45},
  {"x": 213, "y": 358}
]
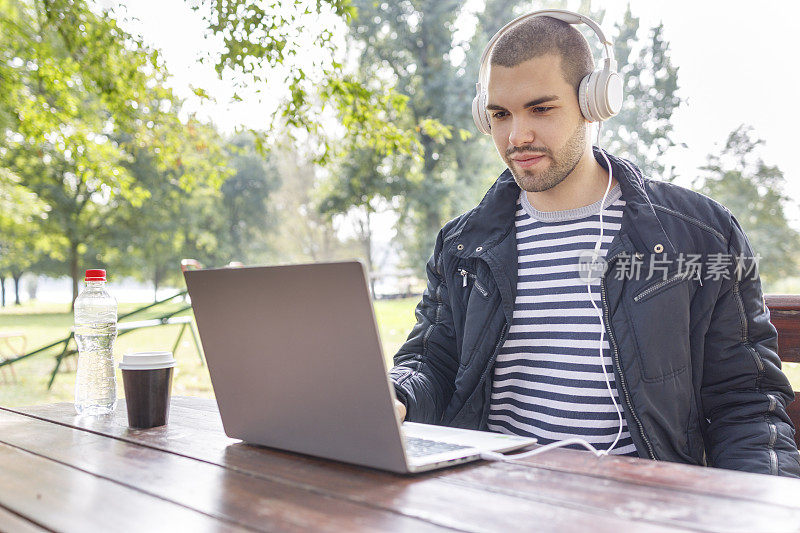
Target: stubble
[{"x": 561, "y": 164}]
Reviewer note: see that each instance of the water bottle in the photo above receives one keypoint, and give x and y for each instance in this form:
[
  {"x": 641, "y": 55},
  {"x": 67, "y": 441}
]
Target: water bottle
[{"x": 95, "y": 331}]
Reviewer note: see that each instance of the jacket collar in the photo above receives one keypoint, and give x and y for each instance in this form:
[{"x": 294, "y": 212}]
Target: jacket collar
[{"x": 493, "y": 218}]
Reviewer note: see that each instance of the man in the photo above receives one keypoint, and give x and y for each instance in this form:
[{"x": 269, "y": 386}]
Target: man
[{"x": 512, "y": 336}]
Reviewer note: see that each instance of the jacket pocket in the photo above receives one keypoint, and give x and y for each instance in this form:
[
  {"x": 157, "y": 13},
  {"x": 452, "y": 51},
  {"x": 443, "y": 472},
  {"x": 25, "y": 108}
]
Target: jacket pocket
[
  {"x": 658, "y": 321},
  {"x": 661, "y": 285},
  {"x": 478, "y": 322},
  {"x": 468, "y": 276}
]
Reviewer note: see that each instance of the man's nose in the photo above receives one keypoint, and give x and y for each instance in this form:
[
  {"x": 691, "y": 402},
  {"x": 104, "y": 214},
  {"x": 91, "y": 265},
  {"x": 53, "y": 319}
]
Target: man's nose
[{"x": 522, "y": 132}]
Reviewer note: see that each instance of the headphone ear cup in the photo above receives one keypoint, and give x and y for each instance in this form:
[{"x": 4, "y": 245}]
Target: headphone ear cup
[
  {"x": 583, "y": 97},
  {"x": 611, "y": 95},
  {"x": 479, "y": 114},
  {"x": 604, "y": 94}
]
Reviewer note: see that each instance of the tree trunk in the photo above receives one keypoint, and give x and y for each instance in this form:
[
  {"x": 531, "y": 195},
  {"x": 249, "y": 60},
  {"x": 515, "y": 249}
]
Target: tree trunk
[
  {"x": 32, "y": 287},
  {"x": 427, "y": 207},
  {"x": 2, "y": 291},
  {"x": 156, "y": 282},
  {"x": 368, "y": 243},
  {"x": 16, "y": 277},
  {"x": 73, "y": 271},
  {"x": 433, "y": 207}
]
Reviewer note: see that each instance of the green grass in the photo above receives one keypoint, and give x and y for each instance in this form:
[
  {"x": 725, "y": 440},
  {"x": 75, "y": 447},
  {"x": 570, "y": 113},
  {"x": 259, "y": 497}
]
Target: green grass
[{"x": 46, "y": 323}]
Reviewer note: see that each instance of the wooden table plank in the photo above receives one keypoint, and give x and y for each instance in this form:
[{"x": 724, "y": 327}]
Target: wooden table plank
[
  {"x": 61, "y": 498},
  {"x": 445, "y": 504},
  {"x": 13, "y": 522},
  {"x": 244, "y": 500},
  {"x": 476, "y": 487}
]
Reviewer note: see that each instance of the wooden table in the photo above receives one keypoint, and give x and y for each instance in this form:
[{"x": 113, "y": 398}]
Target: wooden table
[{"x": 60, "y": 472}]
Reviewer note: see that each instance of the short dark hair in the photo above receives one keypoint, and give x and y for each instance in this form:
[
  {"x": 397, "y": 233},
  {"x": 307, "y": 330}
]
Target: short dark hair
[{"x": 539, "y": 36}]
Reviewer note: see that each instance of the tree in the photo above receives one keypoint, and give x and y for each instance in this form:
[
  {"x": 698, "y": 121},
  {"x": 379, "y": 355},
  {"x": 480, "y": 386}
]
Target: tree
[
  {"x": 412, "y": 42},
  {"x": 753, "y": 191},
  {"x": 182, "y": 215},
  {"x": 366, "y": 178},
  {"x": 20, "y": 243},
  {"x": 79, "y": 204},
  {"x": 246, "y": 200},
  {"x": 79, "y": 96},
  {"x": 642, "y": 131},
  {"x": 356, "y": 188},
  {"x": 302, "y": 233},
  {"x": 260, "y": 40}
]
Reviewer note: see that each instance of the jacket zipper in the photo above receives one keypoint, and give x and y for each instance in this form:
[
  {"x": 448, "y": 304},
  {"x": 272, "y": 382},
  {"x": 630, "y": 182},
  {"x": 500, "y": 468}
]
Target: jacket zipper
[
  {"x": 622, "y": 381},
  {"x": 494, "y": 352},
  {"x": 745, "y": 341},
  {"x": 477, "y": 285},
  {"x": 488, "y": 366},
  {"x": 660, "y": 284},
  {"x": 492, "y": 359}
]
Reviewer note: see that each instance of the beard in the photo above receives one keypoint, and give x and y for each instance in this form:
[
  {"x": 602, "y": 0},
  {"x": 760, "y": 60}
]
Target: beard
[{"x": 561, "y": 164}]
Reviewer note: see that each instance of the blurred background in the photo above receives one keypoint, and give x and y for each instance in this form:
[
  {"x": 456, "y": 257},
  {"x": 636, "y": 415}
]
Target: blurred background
[{"x": 136, "y": 134}]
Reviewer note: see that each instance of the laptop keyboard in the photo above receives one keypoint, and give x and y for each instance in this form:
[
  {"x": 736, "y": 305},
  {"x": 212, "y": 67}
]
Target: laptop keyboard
[{"x": 416, "y": 447}]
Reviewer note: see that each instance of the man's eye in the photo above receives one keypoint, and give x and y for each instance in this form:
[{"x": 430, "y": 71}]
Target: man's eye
[
  {"x": 498, "y": 114},
  {"x": 542, "y": 109}
]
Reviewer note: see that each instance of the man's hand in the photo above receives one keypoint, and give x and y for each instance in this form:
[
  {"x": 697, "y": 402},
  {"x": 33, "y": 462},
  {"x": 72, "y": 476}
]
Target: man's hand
[{"x": 399, "y": 410}]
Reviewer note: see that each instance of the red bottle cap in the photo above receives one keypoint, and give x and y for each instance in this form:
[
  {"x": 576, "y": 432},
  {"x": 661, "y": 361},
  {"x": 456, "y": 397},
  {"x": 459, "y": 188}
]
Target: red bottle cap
[{"x": 95, "y": 274}]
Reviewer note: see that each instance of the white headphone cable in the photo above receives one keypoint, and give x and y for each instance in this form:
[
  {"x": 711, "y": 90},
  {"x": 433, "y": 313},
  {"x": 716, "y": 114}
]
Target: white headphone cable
[{"x": 591, "y": 298}]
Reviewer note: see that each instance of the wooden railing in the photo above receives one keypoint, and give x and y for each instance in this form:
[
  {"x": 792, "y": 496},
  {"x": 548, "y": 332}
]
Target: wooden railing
[{"x": 785, "y": 316}]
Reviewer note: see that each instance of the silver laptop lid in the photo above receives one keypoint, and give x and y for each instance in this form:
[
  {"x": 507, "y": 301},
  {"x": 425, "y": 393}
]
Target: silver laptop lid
[{"x": 296, "y": 362}]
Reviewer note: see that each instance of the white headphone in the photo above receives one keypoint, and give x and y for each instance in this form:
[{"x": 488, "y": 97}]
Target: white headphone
[{"x": 599, "y": 94}]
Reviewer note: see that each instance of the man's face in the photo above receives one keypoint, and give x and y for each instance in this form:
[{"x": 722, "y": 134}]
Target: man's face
[{"x": 537, "y": 126}]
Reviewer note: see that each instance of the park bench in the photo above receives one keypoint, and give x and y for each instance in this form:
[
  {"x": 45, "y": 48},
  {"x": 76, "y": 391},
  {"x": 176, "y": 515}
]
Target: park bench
[
  {"x": 67, "y": 344},
  {"x": 67, "y": 348},
  {"x": 124, "y": 327},
  {"x": 13, "y": 351},
  {"x": 785, "y": 316}
]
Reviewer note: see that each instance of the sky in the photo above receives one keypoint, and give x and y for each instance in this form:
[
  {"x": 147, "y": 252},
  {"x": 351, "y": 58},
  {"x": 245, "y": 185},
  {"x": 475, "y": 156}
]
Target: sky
[{"x": 736, "y": 66}]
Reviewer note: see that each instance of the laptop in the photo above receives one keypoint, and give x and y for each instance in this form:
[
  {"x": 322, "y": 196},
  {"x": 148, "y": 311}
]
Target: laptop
[{"x": 296, "y": 364}]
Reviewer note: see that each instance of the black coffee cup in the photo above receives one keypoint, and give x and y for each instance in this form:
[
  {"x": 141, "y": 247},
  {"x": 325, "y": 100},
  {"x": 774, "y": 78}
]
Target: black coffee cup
[{"x": 147, "y": 378}]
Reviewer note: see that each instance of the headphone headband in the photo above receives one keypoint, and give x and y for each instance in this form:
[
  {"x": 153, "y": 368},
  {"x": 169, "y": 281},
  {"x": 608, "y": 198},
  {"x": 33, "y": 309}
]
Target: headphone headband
[{"x": 570, "y": 17}]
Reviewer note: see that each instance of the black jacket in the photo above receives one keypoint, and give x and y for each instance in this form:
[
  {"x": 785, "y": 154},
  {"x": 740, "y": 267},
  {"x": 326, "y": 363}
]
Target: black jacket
[{"x": 694, "y": 359}]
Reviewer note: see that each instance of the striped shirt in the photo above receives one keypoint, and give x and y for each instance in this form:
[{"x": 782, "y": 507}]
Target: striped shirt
[{"x": 548, "y": 381}]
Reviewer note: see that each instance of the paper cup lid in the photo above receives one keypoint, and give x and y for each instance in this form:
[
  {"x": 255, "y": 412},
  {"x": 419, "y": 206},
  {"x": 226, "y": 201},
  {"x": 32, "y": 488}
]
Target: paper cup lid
[{"x": 146, "y": 360}]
